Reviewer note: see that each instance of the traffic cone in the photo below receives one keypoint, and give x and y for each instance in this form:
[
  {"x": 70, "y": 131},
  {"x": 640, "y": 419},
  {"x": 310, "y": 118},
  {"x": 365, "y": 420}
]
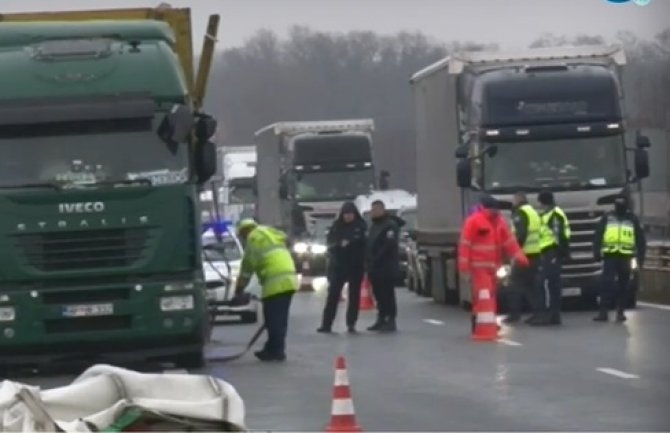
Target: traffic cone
[
  {"x": 366, "y": 303},
  {"x": 342, "y": 416},
  {"x": 486, "y": 326}
]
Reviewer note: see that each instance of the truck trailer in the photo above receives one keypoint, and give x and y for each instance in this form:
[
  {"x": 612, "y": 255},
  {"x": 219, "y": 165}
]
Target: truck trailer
[
  {"x": 306, "y": 170},
  {"x": 499, "y": 123},
  {"x": 104, "y": 148}
]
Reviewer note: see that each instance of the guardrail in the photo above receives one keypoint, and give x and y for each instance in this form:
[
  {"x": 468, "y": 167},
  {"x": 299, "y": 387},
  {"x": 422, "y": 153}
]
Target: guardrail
[{"x": 655, "y": 275}]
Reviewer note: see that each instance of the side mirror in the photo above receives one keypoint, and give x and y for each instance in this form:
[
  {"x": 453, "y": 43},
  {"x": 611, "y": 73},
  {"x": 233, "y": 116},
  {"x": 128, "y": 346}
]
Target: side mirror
[
  {"x": 607, "y": 199},
  {"x": 461, "y": 152},
  {"x": 205, "y": 161},
  {"x": 463, "y": 174},
  {"x": 641, "y": 159},
  {"x": 176, "y": 125},
  {"x": 205, "y": 127},
  {"x": 283, "y": 188},
  {"x": 491, "y": 150},
  {"x": 642, "y": 142}
]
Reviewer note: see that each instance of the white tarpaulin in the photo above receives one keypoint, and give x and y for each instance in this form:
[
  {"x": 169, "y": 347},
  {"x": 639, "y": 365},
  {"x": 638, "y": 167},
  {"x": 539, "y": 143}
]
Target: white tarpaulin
[{"x": 103, "y": 393}]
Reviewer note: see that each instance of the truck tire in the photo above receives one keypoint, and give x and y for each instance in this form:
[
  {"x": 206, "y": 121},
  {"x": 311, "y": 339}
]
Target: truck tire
[{"x": 191, "y": 360}]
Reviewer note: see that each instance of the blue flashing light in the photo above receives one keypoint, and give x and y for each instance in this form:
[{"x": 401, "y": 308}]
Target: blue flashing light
[{"x": 222, "y": 227}]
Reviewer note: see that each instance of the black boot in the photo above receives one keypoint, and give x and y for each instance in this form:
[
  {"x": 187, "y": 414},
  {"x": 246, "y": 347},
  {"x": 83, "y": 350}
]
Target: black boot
[
  {"x": 351, "y": 329},
  {"x": 540, "y": 320},
  {"x": 620, "y": 316},
  {"x": 511, "y": 319},
  {"x": 388, "y": 326},
  {"x": 377, "y": 325},
  {"x": 324, "y": 330}
]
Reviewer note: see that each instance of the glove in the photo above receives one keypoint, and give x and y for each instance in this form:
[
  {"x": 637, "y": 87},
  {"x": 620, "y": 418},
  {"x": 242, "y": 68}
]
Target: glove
[
  {"x": 522, "y": 261},
  {"x": 240, "y": 299}
]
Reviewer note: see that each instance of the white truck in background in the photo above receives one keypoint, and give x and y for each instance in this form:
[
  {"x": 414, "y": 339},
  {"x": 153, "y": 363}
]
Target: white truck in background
[
  {"x": 238, "y": 165},
  {"x": 306, "y": 170},
  {"x": 506, "y": 122}
]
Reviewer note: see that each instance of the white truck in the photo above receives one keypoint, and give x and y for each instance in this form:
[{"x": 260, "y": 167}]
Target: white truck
[
  {"x": 238, "y": 171},
  {"x": 506, "y": 122},
  {"x": 306, "y": 170}
]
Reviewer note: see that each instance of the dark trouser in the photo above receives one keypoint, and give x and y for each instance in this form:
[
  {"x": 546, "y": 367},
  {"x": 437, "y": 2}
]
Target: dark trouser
[
  {"x": 615, "y": 282},
  {"x": 275, "y": 313},
  {"x": 524, "y": 287},
  {"x": 335, "y": 286},
  {"x": 550, "y": 284},
  {"x": 383, "y": 287}
]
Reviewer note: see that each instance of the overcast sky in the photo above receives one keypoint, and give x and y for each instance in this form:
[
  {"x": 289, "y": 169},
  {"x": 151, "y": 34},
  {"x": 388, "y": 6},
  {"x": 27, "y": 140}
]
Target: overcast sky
[{"x": 510, "y": 23}]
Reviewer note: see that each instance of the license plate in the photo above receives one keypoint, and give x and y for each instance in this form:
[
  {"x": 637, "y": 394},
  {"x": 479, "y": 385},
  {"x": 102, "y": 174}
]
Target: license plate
[
  {"x": 88, "y": 310},
  {"x": 572, "y": 291}
]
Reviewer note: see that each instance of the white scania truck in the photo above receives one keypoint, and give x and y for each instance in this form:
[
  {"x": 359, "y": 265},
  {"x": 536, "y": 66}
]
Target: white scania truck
[
  {"x": 506, "y": 122},
  {"x": 306, "y": 170}
]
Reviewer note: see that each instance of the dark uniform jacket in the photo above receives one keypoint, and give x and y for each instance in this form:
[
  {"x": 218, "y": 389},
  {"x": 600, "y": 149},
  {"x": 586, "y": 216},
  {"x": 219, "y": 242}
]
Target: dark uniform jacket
[
  {"x": 383, "y": 258},
  {"x": 349, "y": 259}
]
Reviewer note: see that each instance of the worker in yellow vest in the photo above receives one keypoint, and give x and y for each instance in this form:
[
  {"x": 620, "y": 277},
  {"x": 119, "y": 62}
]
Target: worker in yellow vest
[
  {"x": 619, "y": 239},
  {"x": 266, "y": 255},
  {"x": 554, "y": 248},
  {"x": 526, "y": 225}
]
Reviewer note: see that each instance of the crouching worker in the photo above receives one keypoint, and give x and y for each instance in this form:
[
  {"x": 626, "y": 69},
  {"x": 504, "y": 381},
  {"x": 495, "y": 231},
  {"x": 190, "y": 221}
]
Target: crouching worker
[{"x": 266, "y": 255}]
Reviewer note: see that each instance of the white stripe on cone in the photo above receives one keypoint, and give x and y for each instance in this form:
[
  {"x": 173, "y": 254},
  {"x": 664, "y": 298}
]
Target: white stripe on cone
[
  {"x": 341, "y": 378},
  {"x": 486, "y": 318},
  {"x": 343, "y": 406}
]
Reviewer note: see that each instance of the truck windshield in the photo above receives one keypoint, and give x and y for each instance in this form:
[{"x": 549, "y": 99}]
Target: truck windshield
[
  {"x": 588, "y": 163},
  {"x": 89, "y": 151},
  {"x": 333, "y": 185},
  {"x": 242, "y": 191}
]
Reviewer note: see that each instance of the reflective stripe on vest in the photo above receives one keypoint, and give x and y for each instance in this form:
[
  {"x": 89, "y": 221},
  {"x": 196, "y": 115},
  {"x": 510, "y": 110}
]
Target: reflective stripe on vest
[
  {"x": 619, "y": 237},
  {"x": 532, "y": 243},
  {"x": 547, "y": 236}
]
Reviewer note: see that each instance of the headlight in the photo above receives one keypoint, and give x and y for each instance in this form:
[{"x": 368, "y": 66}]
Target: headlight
[
  {"x": 503, "y": 272},
  {"x": 633, "y": 263},
  {"x": 7, "y": 314},
  {"x": 318, "y": 249},
  {"x": 300, "y": 248},
  {"x": 177, "y": 303},
  {"x": 173, "y": 287}
]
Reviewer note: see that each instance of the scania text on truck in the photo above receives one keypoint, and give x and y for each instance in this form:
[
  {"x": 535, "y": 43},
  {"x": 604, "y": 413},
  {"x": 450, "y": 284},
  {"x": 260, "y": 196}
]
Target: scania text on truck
[
  {"x": 306, "y": 170},
  {"x": 506, "y": 122},
  {"x": 104, "y": 148}
]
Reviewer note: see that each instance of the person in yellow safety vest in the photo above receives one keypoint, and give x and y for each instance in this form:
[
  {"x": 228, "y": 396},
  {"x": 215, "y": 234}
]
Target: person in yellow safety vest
[
  {"x": 554, "y": 248},
  {"x": 619, "y": 239},
  {"x": 266, "y": 255},
  {"x": 526, "y": 227}
]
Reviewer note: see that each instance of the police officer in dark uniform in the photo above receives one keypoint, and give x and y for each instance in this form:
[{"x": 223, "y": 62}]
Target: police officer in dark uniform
[
  {"x": 383, "y": 264},
  {"x": 554, "y": 248},
  {"x": 619, "y": 239},
  {"x": 346, "y": 264},
  {"x": 526, "y": 226}
]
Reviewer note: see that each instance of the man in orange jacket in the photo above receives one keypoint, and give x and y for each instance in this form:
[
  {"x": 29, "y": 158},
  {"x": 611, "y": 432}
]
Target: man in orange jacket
[{"x": 485, "y": 241}]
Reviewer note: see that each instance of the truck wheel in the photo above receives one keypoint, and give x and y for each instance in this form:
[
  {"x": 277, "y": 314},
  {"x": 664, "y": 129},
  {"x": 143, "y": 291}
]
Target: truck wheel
[
  {"x": 249, "y": 317},
  {"x": 191, "y": 360}
]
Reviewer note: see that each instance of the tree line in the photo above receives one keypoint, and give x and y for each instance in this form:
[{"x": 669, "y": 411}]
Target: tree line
[{"x": 312, "y": 75}]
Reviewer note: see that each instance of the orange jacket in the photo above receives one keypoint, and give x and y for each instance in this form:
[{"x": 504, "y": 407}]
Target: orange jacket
[{"x": 485, "y": 241}]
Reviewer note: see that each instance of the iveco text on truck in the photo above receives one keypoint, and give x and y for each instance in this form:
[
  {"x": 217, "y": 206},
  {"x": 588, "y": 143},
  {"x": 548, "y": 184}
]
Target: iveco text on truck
[
  {"x": 502, "y": 123},
  {"x": 103, "y": 151}
]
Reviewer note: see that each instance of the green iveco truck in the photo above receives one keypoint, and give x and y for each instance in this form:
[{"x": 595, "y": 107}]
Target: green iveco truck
[{"x": 103, "y": 151}]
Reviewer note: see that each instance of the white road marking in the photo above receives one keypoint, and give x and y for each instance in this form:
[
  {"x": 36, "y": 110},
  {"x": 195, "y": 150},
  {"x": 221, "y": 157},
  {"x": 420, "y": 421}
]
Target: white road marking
[
  {"x": 434, "y": 321},
  {"x": 509, "y": 342},
  {"x": 175, "y": 371},
  {"x": 653, "y": 305},
  {"x": 618, "y": 373}
]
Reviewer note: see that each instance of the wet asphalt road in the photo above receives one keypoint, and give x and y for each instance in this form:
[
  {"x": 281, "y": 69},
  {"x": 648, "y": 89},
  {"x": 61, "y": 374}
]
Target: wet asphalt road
[{"x": 431, "y": 376}]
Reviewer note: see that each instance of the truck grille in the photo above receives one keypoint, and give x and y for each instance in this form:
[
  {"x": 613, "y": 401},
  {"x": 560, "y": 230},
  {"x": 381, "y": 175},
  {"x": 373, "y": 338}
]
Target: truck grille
[
  {"x": 583, "y": 225},
  {"x": 81, "y": 250},
  {"x": 82, "y": 324}
]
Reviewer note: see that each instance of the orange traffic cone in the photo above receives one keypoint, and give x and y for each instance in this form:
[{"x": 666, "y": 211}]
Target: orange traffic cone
[
  {"x": 342, "y": 416},
  {"x": 366, "y": 303},
  {"x": 486, "y": 326}
]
